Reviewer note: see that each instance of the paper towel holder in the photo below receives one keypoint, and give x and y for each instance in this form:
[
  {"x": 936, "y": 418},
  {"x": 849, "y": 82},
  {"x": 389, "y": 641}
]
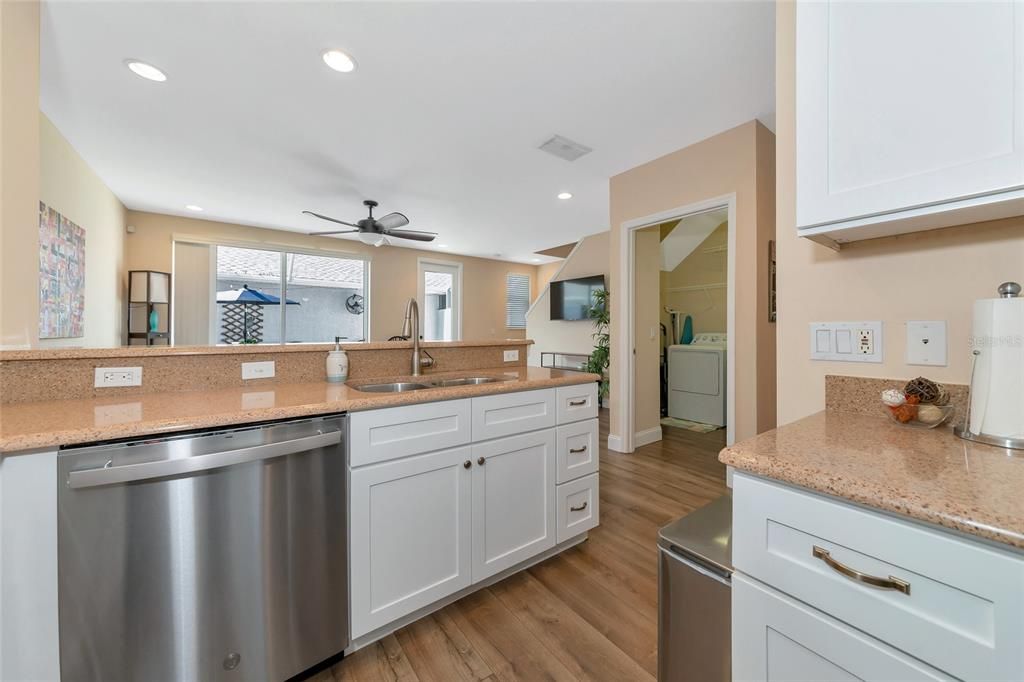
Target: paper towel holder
[{"x": 1005, "y": 290}]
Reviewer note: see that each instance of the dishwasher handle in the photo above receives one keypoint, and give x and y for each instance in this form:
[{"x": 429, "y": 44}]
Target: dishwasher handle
[{"x": 126, "y": 473}]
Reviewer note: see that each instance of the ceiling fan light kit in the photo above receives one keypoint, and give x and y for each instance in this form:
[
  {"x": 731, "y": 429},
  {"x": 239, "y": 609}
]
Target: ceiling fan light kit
[{"x": 376, "y": 231}]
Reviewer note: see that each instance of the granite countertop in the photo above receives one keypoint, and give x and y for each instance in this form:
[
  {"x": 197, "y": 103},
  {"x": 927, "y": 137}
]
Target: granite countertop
[
  {"x": 32, "y": 425},
  {"x": 928, "y": 475}
]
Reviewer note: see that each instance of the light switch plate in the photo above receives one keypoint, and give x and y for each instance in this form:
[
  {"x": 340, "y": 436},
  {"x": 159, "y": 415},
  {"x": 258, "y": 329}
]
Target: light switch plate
[
  {"x": 511, "y": 356},
  {"x": 926, "y": 342},
  {"x": 847, "y": 341},
  {"x": 110, "y": 377},
  {"x": 258, "y": 370}
]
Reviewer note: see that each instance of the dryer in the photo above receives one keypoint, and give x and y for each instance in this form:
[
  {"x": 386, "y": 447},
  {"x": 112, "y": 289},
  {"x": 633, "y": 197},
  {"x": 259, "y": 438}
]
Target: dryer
[{"x": 696, "y": 379}]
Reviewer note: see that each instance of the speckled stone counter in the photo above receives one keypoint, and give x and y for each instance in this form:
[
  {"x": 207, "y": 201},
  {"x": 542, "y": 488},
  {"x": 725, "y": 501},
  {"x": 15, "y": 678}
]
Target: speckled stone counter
[
  {"x": 46, "y": 424},
  {"x": 928, "y": 475}
]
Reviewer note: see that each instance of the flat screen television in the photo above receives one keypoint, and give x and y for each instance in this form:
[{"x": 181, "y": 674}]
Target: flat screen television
[{"x": 571, "y": 299}]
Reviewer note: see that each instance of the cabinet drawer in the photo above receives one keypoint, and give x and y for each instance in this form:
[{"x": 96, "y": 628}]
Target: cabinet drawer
[
  {"x": 495, "y": 416},
  {"x": 576, "y": 403},
  {"x": 775, "y": 638},
  {"x": 578, "y": 507},
  {"x": 964, "y": 607},
  {"x": 382, "y": 435},
  {"x": 577, "y": 450}
]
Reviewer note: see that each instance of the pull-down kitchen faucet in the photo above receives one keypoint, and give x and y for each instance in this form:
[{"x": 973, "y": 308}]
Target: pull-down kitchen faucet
[{"x": 411, "y": 328}]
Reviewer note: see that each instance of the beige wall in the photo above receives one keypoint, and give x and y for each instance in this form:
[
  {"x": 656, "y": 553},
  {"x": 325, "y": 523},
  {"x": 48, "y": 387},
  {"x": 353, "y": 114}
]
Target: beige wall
[
  {"x": 700, "y": 267},
  {"x": 933, "y": 275},
  {"x": 589, "y": 258},
  {"x": 737, "y": 161},
  {"x": 68, "y": 185},
  {"x": 393, "y": 270},
  {"x": 19, "y": 174}
]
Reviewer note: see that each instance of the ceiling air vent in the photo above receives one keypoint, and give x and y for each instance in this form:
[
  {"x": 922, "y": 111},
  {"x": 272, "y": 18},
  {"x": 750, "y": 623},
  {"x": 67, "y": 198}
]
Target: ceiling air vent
[{"x": 564, "y": 148}]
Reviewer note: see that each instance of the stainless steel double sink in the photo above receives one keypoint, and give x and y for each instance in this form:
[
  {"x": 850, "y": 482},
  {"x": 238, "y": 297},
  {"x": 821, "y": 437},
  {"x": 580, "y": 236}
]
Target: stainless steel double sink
[{"x": 403, "y": 386}]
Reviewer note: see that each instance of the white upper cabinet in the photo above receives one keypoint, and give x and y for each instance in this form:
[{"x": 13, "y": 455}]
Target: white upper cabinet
[{"x": 909, "y": 116}]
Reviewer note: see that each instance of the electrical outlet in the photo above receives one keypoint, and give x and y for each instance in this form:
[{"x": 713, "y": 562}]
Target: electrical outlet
[
  {"x": 865, "y": 342},
  {"x": 111, "y": 377},
  {"x": 846, "y": 341},
  {"x": 512, "y": 356},
  {"x": 258, "y": 370}
]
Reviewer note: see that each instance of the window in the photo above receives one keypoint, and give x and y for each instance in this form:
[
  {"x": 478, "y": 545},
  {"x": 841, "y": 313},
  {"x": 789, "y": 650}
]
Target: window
[
  {"x": 278, "y": 297},
  {"x": 440, "y": 300},
  {"x": 517, "y": 300}
]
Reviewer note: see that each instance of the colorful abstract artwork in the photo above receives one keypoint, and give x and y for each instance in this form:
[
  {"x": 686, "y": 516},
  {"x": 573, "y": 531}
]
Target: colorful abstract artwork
[{"x": 61, "y": 276}]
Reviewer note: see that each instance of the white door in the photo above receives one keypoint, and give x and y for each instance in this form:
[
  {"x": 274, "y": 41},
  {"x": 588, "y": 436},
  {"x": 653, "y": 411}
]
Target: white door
[
  {"x": 440, "y": 299},
  {"x": 513, "y": 501},
  {"x": 906, "y": 104},
  {"x": 410, "y": 535},
  {"x": 778, "y": 639}
]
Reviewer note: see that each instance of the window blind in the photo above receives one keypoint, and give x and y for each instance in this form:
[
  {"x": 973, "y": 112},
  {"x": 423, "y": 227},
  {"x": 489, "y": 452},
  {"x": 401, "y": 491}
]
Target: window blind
[{"x": 517, "y": 300}]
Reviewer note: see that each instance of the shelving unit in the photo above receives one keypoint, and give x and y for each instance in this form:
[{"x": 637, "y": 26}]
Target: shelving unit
[{"x": 149, "y": 291}]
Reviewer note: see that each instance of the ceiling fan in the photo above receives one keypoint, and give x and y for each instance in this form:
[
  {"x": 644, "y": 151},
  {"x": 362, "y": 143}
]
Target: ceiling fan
[{"x": 376, "y": 231}]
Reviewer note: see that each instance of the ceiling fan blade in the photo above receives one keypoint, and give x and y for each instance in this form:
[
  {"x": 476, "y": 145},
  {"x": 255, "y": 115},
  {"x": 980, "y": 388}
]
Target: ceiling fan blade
[
  {"x": 333, "y": 220},
  {"x": 326, "y": 232},
  {"x": 413, "y": 234},
  {"x": 392, "y": 220}
]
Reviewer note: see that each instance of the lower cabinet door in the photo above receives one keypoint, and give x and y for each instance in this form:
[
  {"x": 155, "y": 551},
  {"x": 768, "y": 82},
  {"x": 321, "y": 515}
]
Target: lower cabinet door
[
  {"x": 410, "y": 535},
  {"x": 513, "y": 501},
  {"x": 776, "y": 638}
]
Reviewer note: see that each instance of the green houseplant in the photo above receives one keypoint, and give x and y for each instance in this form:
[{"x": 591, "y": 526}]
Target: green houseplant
[{"x": 599, "y": 357}]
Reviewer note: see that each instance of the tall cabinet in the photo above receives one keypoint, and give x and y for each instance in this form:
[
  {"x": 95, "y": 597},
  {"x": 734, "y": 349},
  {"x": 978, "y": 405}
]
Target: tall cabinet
[{"x": 909, "y": 116}]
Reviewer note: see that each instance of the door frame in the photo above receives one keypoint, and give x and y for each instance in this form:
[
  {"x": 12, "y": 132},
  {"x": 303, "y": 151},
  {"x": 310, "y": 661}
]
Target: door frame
[
  {"x": 421, "y": 262},
  {"x": 625, "y": 440}
]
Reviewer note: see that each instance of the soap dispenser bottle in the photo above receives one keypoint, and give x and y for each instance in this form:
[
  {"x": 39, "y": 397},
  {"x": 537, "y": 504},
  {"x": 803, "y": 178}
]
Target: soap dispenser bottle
[{"x": 337, "y": 363}]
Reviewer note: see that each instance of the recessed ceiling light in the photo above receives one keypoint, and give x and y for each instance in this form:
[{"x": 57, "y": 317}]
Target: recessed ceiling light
[
  {"x": 565, "y": 195},
  {"x": 144, "y": 70},
  {"x": 535, "y": 260},
  {"x": 193, "y": 207},
  {"x": 442, "y": 246},
  {"x": 339, "y": 61}
]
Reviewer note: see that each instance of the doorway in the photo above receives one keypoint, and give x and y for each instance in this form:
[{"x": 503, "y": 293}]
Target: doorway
[
  {"x": 702, "y": 242},
  {"x": 440, "y": 299}
]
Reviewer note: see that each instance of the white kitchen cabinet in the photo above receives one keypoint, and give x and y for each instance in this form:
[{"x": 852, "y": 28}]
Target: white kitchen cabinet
[
  {"x": 909, "y": 116},
  {"x": 513, "y": 501},
  {"x": 390, "y": 433},
  {"x": 778, "y": 639},
  {"x": 410, "y": 535},
  {"x": 962, "y": 609},
  {"x": 505, "y": 414},
  {"x": 444, "y": 495}
]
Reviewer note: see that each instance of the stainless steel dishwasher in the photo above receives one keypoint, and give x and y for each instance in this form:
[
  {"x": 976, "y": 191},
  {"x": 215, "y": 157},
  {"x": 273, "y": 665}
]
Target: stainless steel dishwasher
[
  {"x": 210, "y": 556},
  {"x": 695, "y": 596}
]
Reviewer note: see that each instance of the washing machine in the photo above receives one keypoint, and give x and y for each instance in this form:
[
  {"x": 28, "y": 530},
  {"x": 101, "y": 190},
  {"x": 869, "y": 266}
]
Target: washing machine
[{"x": 696, "y": 379}]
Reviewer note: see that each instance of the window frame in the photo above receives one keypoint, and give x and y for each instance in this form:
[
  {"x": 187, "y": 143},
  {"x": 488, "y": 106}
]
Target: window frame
[{"x": 282, "y": 250}]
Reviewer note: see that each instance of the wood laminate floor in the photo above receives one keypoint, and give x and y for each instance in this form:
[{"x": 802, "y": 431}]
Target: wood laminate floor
[{"x": 589, "y": 613}]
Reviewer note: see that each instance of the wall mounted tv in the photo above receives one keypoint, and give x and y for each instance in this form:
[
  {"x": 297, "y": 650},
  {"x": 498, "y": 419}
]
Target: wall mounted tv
[{"x": 571, "y": 299}]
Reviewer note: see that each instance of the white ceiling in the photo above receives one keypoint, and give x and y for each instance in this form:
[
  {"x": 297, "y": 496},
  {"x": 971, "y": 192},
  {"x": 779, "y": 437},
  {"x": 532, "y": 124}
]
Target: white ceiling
[{"x": 440, "y": 121}]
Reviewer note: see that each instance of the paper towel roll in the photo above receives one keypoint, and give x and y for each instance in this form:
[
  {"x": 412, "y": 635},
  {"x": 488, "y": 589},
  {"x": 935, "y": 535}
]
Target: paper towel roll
[{"x": 997, "y": 392}]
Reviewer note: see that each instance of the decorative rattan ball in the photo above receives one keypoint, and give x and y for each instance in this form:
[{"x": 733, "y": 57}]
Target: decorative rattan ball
[{"x": 928, "y": 391}]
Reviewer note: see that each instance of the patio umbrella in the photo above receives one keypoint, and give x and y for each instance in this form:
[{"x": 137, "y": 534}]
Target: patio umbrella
[
  {"x": 249, "y": 296},
  {"x": 246, "y": 297}
]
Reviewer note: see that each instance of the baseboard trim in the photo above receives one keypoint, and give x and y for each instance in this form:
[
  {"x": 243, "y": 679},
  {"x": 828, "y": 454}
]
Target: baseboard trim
[
  {"x": 615, "y": 443},
  {"x": 647, "y": 436}
]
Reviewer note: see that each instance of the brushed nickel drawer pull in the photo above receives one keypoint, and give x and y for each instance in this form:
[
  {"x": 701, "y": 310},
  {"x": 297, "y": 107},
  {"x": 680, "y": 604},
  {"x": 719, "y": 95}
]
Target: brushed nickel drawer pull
[
  {"x": 579, "y": 508},
  {"x": 576, "y": 451},
  {"x": 890, "y": 583},
  {"x": 577, "y": 403}
]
